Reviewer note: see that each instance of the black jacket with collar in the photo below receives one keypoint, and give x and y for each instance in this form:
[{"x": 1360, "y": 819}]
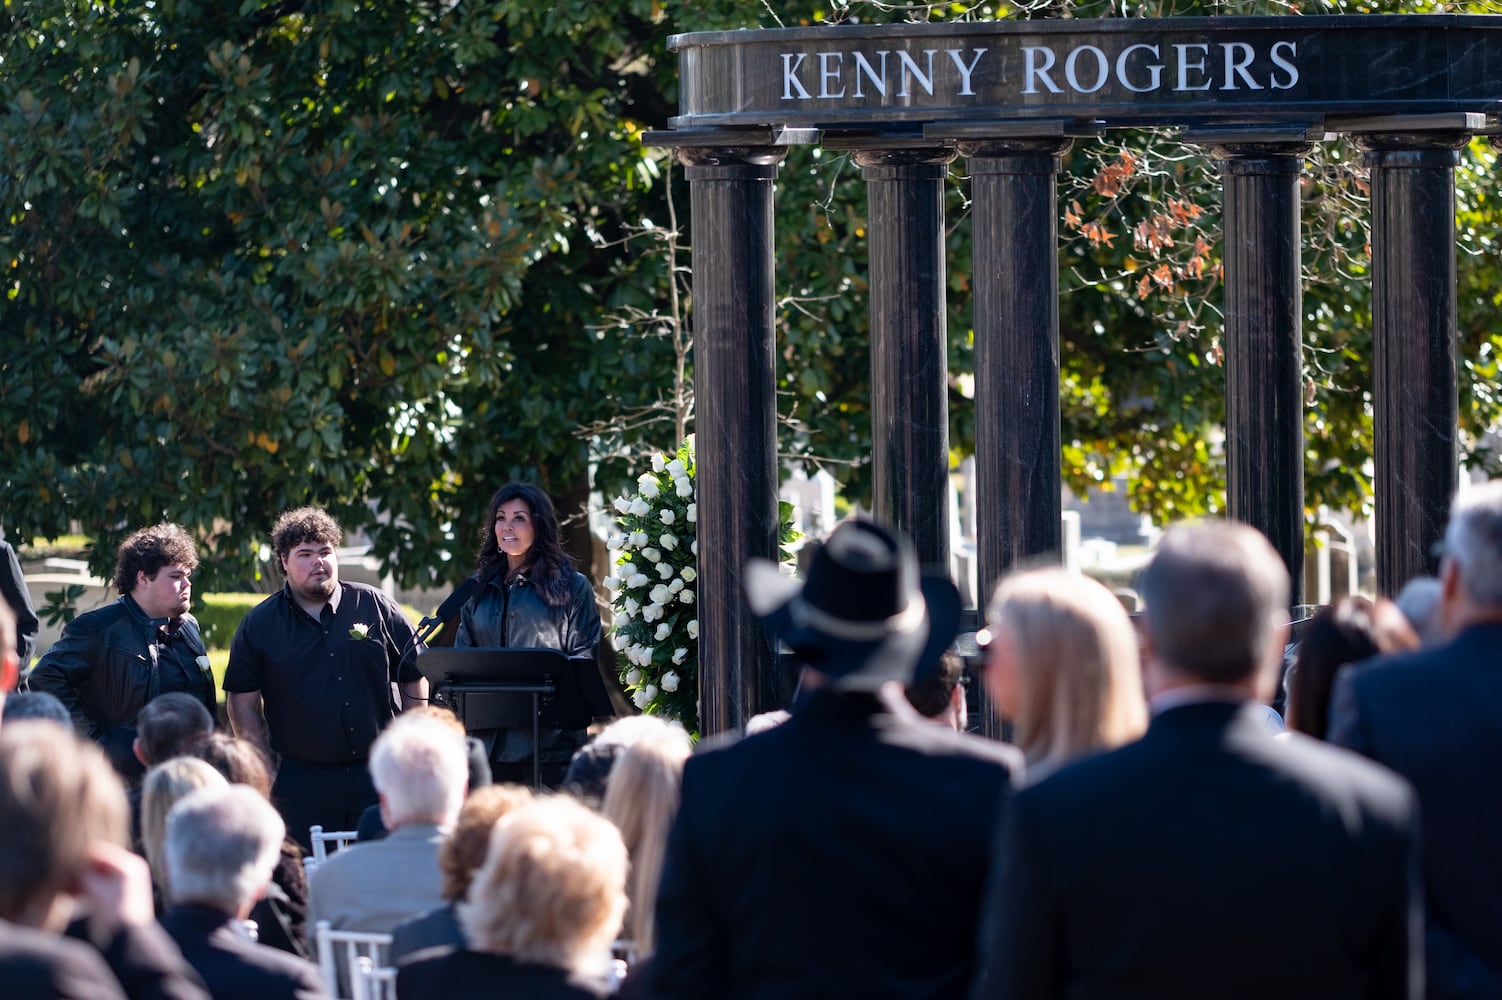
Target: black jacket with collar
[
  {"x": 514, "y": 615},
  {"x": 105, "y": 668}
]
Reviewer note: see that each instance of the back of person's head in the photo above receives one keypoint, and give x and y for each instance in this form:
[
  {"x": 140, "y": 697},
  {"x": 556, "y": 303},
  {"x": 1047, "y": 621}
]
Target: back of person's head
[
  {"x": 1351, "y": 629},
  {"x": 240, "y": 761},
  {"x": 641, "y": 800},
  {"x": 1074, "y": 656},
  {"x": 420, "y": 767},
  {"x": 222, "y": 845},
  {"x": 589, "y": 770},
  {"x": 168, "y": 724},
  {"x": 463, "y": 850},
  {"x": 1473, "y": 543},
  {"x": 1217, "y": 602},
  {"x": 162, "y": 788},
  {"x": 1419, "y": 601},
  {"x": 932, "y": 691},
  {"x": 552, "y": 889},
  {"x": 35, "y": 705},
  {"x": 58, "y": 797}
]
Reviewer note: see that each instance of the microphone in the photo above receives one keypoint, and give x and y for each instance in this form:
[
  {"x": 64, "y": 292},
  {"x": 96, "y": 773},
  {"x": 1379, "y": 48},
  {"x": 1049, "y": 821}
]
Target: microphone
[{"x": 452, "y": 604}]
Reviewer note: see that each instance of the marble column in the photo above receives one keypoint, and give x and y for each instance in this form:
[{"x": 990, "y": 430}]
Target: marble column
[
  {"x": 1264, "y": 342},
  {"x": 1414, "y": 391},
  {"x": 1015, "y": 269},
  {"x": 735, "y": 409},
  {"x": 909, "y": 344}
]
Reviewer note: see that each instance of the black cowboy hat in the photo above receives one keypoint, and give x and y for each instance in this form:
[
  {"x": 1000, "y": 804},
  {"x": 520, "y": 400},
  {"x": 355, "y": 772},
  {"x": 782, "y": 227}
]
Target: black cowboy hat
[{"x": 865, "y": 615}]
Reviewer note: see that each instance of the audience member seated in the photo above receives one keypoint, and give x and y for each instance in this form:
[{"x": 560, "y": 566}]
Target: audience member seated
[
  {"x": 939, "y": 693},
  {"x": 35, "y": 705},
  {"x": 165, "y": 727},
  {"x": 589, "y": 770},
  {"x": 541, "y": 912},
  {"x": 1419, "y": 600},
  {"x": 371, "y": 827},
  {"x": 1062, "y": 664},
  {"x": 641, "y": 800},
  {"x": 1348, "y": 631},
  {"x": 281, "y": 915},
  {"x": 162, "y": 788},
  {"x": 419, "y": 767},
  {"x": 222, "y": 844},
  {"x": 461, "y": 855},
  {"x": 64, "y": 828}
]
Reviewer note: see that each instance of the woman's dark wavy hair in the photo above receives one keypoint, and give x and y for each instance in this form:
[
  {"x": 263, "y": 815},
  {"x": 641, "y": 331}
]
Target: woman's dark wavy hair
[
  {"x": 551, "y": 570},
  {"x": 1352, "y": 629}
]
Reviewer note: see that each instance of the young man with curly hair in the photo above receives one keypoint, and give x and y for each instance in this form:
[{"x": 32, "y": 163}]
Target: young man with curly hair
[{"x": 110, "y": 662}]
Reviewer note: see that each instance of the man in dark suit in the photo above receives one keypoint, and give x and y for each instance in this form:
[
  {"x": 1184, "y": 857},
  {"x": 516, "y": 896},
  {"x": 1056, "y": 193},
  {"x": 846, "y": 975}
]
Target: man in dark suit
[
  {"x": 1435, "y": 717},
  {"x": 843, "y": 852},
  {"x": 1210, "y": 858},
  {"x": 222, "y": 844}
]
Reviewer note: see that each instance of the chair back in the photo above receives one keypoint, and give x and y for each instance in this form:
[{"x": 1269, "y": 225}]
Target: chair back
[
  {"x": 339, "y": 954},
  {"x": 372, "y": 982},
  {"x": 321, "y": 841}
]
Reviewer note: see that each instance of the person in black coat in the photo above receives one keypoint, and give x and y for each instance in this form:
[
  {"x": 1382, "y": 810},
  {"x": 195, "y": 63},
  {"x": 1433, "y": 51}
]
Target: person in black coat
[
  {"x": 843, "y": 852},
  {"x": 222, "y": 844},
  {"x": 1210, "y": 858},
  {"x": 13, "y": 591},
  {"x": 1435, "y": 717}
]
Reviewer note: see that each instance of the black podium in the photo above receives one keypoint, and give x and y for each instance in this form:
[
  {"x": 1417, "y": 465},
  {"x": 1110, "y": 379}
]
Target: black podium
[{"x": 509, "y": 688}]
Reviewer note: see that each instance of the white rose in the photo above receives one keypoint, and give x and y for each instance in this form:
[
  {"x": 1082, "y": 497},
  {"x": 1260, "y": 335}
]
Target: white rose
[
  {"x": 611, "y": 583},
  {"x": 651, "y": 613},
  {"x": 693, "y": 629},
  {"x": 640, "y": 698},
  {"x": 651, "y": 691},
  {"x": 679, "y": 655},
  {"x": 638, "y": 538},
  {"x": 689, "y": 573},
  {"x": 661, "y": 594},
  {"x": 637, "y": 580},
  {"x": 663, "y": 631},
  {"x": 632, "y": 606},
  {"x": 649, "y": 488},
  {"x": 673, "y": 587},
  {"x": 687, "y": 597},
  {"x": 693, "y": 513},
  {"x": 622, "y": 619},
  {"x": 633, "y": 677},
  {"x": 694, "y": 545},
  {"x": 646, "y": 656},
  {"x": 664, "y": 570},
  {"x": 623, "y": 505},
  {"x": 639, "y": 507},
  {"x": 657, "y": 462},
  {"x": 668, "y": 541},
  {"x": 627, "y": 569},
  {"x": 670, "y": 681},
  {"x": 685, "y": 487},
  {"x": 667, "y": 515},
  {"x": 676, "y": 469},
  {"x": 651, "y": 555},
  {"x": 615, "y": 541}
]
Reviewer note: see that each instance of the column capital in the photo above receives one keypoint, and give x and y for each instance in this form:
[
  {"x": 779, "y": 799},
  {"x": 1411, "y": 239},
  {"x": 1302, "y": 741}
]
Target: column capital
[
  {"x": 1015, "y": 154},
  {"x": 708, "y": 163},
  {"x": 904, "y": 162},
  {"x": 1413, "y": 150}
]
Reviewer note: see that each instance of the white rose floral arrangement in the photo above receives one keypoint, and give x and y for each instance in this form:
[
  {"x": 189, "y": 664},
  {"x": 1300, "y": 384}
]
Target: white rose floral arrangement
[{"x": 654, "y": 587}]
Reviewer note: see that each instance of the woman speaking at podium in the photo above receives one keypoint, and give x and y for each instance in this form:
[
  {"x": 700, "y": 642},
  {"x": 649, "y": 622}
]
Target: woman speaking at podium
[{"x": 532, "y": 598}]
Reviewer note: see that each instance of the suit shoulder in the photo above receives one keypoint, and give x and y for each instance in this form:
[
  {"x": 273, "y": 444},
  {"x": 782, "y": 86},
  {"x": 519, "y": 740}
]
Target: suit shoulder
[{"x": 1341, "y": 771}]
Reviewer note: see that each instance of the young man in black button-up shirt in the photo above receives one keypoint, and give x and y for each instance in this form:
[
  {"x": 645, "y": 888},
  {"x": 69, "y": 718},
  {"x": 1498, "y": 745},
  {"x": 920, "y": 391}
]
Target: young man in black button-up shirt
[{"x": 310, "y": 675}]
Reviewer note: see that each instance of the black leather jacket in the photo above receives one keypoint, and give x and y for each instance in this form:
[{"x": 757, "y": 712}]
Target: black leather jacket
[
  {"x": 514, "y": 615},
  {"x": 105, "y": 668}
]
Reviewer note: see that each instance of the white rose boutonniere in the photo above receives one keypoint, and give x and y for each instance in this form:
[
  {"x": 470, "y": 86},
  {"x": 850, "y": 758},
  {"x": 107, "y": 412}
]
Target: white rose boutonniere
[{"x": 359, "y": 631}]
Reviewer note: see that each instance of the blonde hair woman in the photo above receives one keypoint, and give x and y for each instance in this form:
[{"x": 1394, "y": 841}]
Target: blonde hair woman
[
  {"x": 541, "y": 911},
  {"x": 162, "y": 787},
  {"x": 641, "y": 799},
  {"x": 1062, "y": 664}
]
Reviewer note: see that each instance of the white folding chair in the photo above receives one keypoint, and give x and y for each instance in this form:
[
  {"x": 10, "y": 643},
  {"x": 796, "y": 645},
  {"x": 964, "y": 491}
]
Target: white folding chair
[
  {"x": 344, "y": 949},
  {"x": 321, "y": 841},
  {"x": 372, "y": 982}
]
